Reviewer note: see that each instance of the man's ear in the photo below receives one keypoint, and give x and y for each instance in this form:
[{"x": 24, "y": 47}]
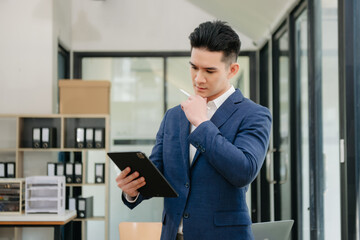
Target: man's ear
[{"x": 234, "y": 68}]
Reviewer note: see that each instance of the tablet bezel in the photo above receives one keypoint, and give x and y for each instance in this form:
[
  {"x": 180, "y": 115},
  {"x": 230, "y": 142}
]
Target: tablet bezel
[{"x": 156, "y": 184}]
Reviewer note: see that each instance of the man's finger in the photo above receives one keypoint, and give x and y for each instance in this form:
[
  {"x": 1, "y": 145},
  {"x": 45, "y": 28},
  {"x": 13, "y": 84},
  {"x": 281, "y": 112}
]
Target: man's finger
[{"x": 134, "y": 185}]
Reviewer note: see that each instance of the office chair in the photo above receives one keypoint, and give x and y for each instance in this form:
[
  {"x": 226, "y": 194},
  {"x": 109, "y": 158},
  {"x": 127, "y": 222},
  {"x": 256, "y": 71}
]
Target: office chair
[{"x": 140, "y": 230}]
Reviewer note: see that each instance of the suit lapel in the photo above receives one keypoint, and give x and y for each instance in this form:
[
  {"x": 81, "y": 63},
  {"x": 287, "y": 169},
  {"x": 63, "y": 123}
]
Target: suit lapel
[
  {"x": 223, "y": 113},
  {"x": 184, "y": 133}
]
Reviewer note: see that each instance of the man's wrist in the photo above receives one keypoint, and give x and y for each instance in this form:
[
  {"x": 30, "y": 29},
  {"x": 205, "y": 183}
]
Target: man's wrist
[
  {"x": 200, "y": 122},
  {"x": 131, "y": 199}
]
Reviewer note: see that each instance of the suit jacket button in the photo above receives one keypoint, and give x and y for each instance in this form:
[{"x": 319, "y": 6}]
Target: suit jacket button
[
  {"x": 187, "y": 185},
  {"x": 202, "y": 150},
  {"x": 186, "y": 215}
]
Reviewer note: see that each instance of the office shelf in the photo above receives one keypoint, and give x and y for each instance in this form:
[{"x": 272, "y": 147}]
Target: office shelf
[{"x": 16, "y": 146}]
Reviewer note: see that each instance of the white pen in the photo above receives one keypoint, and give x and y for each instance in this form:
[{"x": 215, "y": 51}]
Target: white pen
[
  {"x": 187, "y": 94},
  {"x": 184, "y": 92}
]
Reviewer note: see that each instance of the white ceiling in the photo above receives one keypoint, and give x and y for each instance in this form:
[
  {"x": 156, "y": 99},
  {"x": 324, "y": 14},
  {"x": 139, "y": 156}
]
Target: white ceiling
[{"x": 255, "y": 19}]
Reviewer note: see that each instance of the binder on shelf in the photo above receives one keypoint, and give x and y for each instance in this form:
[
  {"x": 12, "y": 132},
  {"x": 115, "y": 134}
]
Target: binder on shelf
[
  {"x": 80, "y": 135},
  {"x": 99, "y": 172},
  {"x": 72, "y": 203},
  {"x": 60, "y": 167},
  {"x": 78, "y": 172},
  {"x": 36, "y": 138},
  {"x": 85, "y": 207},
  {"x": 69, "y": 172},
  {"x": 89, "y": 137},
  {"x": 51, "y": 169},
  {"x": 48, "y": 137},
  {"x": 77, "y": 157},
  {"x": 99, "y": 137},
  {"x": 10, "y": 170},
  {"x": 2, "y": 170}
]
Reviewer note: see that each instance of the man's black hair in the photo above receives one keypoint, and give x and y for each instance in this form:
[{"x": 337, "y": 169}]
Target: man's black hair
[{"x": 217, "y": 36}]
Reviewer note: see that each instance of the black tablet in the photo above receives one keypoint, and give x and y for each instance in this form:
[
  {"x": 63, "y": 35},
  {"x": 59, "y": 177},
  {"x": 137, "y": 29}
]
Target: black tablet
[{"x": 156, "y": 184}]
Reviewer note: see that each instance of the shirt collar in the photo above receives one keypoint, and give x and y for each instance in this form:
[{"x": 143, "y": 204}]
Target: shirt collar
[{"x": 221, "y": 99}]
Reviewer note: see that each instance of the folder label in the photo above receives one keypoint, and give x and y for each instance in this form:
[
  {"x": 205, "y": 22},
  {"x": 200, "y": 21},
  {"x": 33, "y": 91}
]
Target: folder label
[
  {"x": 45, "y": 135},
  {"x": 81, "y": 206},
  {"x": 72, "y": 204},
  {"x": 36, "y": 137},
  {"x": 2, "y": 170},
  {"x": 69, "y": 169},
  {"x": 77, "y": 169},
  {"x": 60, "y": 169},
  {"x": 98, "y": 135},
  {"x": 80, "y": 137},
  {"x": 51, "y": 169},
  {"x": 89, "y": 137},
  {"x": 99, "y": 138},
  {"x": 10, "y": 169}
]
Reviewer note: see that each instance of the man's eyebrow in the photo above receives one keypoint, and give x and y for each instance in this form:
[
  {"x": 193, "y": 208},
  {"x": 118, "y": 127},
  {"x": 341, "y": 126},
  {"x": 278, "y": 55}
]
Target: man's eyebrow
[{"x": 208, "y": 68}]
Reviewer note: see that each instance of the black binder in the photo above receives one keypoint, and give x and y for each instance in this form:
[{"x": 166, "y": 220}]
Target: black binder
[
  {"x": 69, "y": 172},
  {"x": 99, "y": 137},
  {"x": 99, "y": 172},
  {"x": 80, "y": 137},
  {"x": 89, "y": 137},
  {"x": 156, "y": 184},
  {"x": 36, "y": 138},
  {"x": 10, "y": 170},
  {"x": 78, "y": 172},
  {"x": 48, "y": 137},
  {"x": 85, "y": 207}
]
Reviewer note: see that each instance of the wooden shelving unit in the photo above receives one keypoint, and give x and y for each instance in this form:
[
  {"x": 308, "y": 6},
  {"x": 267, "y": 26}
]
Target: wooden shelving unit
[{"x": 16, "y": 146}]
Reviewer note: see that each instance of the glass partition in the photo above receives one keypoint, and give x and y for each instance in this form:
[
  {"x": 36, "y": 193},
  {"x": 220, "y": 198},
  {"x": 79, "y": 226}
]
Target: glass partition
[
  {"x": 301, "y": 60},
  {"x": 330, "y": 113},
  {"x": 137, "y": 97}
]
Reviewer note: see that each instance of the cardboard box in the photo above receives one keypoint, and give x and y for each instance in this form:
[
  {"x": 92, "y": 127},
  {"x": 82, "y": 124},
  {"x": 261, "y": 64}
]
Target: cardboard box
[{"x": 84, "y": 97}]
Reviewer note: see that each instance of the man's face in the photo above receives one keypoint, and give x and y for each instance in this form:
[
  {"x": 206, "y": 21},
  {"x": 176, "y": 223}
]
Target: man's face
[{"x": 210, "y": 75}]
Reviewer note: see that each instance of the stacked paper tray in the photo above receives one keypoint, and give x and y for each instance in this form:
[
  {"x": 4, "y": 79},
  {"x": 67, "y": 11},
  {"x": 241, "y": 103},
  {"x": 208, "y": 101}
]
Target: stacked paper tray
[
  {"x": 12, "y": 195},
  {"x": 45, "y": 194}
]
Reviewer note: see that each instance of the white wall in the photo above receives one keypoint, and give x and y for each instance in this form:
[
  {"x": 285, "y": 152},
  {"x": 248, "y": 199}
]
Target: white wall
[
  {"x": 136, "y": 25},
  {"x": 26, "y": 56},
  {"x": 28, "y": 61}
]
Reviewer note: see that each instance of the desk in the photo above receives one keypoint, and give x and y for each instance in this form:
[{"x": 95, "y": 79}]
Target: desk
[{"x": 40, "y": 220}]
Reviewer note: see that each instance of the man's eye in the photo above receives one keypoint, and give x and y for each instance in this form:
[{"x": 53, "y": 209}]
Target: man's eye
[
  {"x": 193, "y": 67},
  {"x": 209, "y": 71}
]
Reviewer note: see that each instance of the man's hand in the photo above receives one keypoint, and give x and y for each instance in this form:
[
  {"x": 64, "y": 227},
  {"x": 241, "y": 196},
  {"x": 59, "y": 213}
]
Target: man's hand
[
  {"x": 127, "y": 183},
  {"x": 195, "y": 109}
]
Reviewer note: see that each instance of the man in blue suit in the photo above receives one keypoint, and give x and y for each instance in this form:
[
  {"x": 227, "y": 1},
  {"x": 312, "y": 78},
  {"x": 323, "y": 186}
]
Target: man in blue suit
[{"x": 210, "y": 148}]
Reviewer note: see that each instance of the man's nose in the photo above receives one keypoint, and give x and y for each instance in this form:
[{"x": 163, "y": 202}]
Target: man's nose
[{"x": 200, "y": 77}]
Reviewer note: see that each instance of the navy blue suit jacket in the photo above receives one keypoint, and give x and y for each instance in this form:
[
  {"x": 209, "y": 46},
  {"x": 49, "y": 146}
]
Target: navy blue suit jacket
[{"x": 231, "y": 149}]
